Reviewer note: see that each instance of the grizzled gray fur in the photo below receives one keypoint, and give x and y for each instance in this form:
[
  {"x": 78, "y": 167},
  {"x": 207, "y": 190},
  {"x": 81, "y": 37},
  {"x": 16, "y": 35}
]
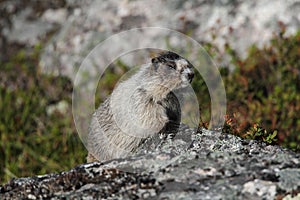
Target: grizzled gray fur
[{"x": 140, "y": 107}]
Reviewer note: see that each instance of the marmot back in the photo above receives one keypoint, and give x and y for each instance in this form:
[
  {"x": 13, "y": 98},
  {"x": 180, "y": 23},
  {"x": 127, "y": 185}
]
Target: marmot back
[{"x": 140, "y": 107}]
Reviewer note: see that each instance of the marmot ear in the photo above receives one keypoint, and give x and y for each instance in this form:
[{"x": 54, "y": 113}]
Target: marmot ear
[{"x": 155, "y": 62}]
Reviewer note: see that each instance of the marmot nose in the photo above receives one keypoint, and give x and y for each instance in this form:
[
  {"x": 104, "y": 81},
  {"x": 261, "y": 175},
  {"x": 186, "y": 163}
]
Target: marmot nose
[{"x": 190, "y": 76}]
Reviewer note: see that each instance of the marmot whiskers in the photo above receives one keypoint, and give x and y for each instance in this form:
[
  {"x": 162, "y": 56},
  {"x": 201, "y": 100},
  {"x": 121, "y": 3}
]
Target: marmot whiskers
[{"x": 139, "y": 107}]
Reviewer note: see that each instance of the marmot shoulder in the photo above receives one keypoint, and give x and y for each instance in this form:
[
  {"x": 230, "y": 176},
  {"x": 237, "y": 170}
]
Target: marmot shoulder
[{"x": 139, "y": 107}]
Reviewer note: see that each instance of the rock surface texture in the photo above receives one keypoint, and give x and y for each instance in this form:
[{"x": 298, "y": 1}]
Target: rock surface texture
[
  {"x": 194, "y": 165},
  {"x": 240, "y": 23}
]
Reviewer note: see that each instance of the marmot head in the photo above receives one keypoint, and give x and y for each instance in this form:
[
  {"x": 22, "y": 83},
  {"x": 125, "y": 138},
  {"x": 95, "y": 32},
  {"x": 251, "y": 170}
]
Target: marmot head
[{"x": 175, "y": 71}]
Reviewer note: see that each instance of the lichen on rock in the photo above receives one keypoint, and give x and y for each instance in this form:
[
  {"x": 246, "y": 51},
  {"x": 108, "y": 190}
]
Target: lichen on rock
[{"x": 193, "y": 165}]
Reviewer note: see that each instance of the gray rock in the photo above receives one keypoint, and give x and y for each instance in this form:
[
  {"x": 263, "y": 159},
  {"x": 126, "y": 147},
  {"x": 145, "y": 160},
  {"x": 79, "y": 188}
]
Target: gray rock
[
  {"x": 31, "y": 22},
  {"x": 193, "y": 165},
  {"x": 25, "y": 31},
  {"x": 55, "y": 15},
  {"x": 261, "y": 189},
  {"x": 241, "y": 23},
  {"x": 289, "y": 179}
]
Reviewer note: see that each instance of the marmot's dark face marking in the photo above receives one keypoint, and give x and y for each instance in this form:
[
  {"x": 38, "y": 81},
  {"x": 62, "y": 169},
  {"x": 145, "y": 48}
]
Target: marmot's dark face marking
[{"x": 175, "y": 67}]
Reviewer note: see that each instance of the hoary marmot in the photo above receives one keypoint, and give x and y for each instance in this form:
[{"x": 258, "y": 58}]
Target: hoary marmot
[{"x": 139, "y": 107}]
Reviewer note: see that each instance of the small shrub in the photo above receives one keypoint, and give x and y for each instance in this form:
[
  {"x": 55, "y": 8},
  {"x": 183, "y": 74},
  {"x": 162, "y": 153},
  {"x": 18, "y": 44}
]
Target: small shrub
[
  {"x": 264, "y": 88},
  {"x": 258, "y": 133}
]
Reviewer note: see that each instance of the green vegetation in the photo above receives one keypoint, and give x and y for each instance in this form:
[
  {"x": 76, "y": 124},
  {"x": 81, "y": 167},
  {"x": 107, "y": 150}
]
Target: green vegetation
[
  {"x": 267, "y": 89},
  {"x": 258, "y": 133},
  {"x": 264, "y": 89},
  {"x": 263, "y": 97},
  {"x": 37, "y": 131},
  {"x": 33, "y": 139}
]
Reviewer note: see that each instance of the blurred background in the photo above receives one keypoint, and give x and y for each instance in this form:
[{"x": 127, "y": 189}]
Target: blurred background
[{"x": 256, "y": 45}]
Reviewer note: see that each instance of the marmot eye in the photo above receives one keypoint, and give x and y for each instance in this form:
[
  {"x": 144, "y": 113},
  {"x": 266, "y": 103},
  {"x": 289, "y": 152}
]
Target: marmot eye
[{"x": 172, "y": 66}]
